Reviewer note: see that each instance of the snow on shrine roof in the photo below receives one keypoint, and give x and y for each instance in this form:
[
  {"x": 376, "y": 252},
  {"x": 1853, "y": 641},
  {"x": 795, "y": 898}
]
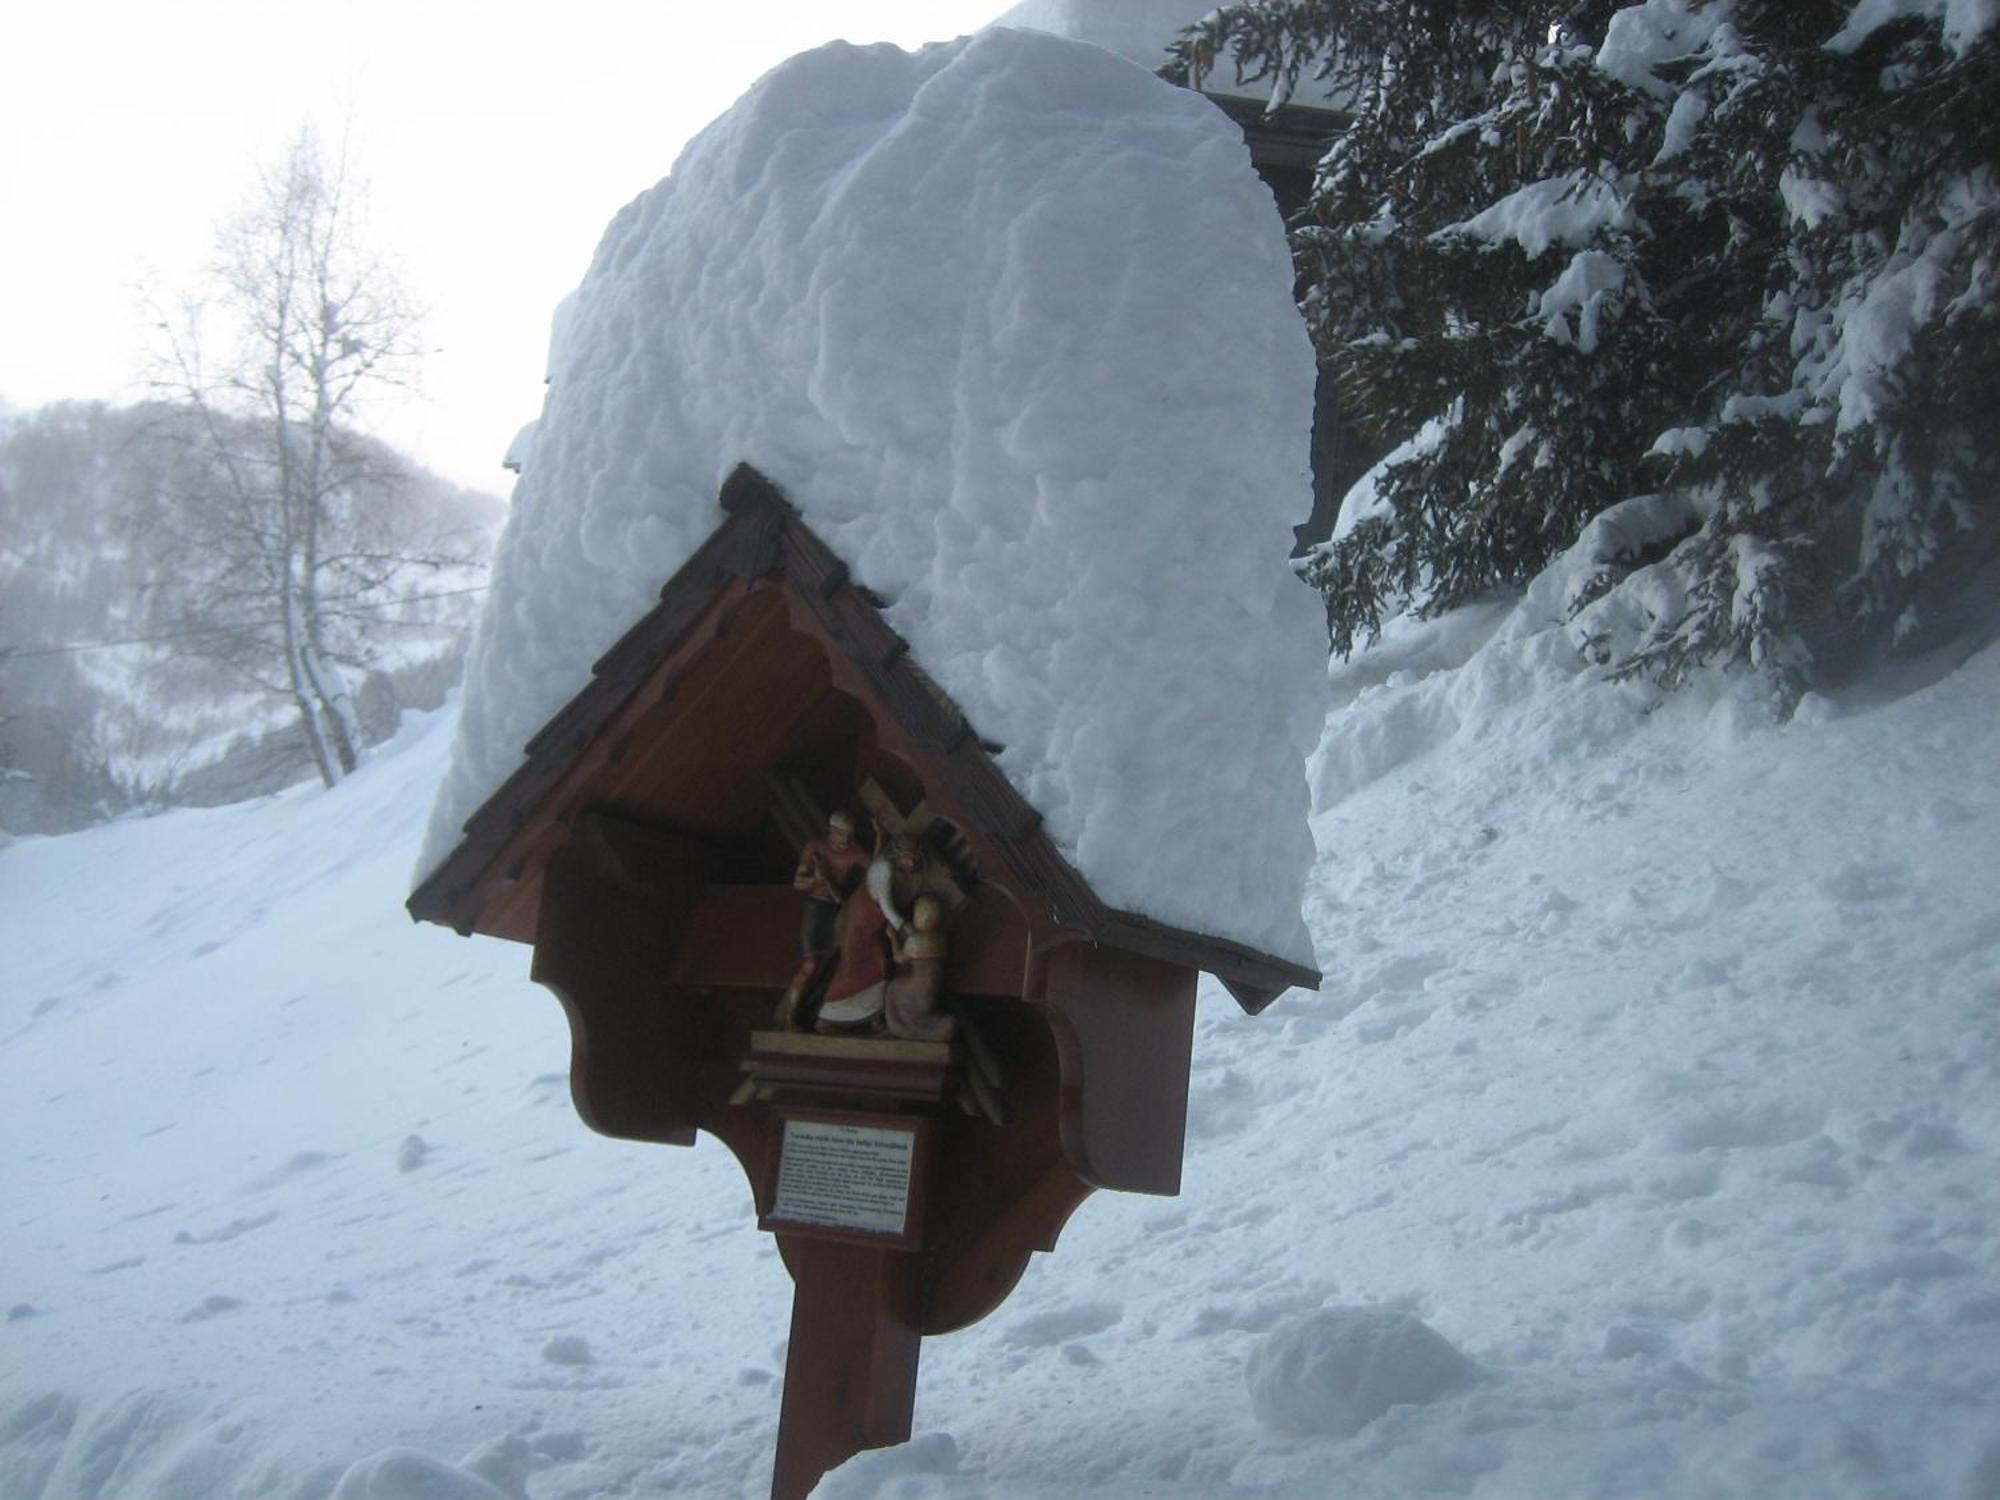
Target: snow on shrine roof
[
  {"x": 1010, "y": 322},
  {"x": 1138, "y": 30},
  {"x": 1141, "y": 30}
]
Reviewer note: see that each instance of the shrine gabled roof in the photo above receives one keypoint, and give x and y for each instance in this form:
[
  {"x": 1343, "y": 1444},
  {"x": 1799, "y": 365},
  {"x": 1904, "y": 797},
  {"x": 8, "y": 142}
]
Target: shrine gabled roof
[{"x": 764, "y": 540}]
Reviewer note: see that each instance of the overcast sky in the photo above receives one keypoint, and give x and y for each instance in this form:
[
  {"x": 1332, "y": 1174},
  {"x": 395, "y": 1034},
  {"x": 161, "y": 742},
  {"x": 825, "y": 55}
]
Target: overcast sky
[{"x": 498, "y": 137}]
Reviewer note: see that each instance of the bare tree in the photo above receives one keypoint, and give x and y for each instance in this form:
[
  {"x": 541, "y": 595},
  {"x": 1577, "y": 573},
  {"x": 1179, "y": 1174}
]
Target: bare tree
[{"x": 284, "y": 517}]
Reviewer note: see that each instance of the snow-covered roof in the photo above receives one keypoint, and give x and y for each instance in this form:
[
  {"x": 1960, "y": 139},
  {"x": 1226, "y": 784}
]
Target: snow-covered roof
[
  {"x": 521, "y": 449},
  {"x": 1010, "y": 322}
]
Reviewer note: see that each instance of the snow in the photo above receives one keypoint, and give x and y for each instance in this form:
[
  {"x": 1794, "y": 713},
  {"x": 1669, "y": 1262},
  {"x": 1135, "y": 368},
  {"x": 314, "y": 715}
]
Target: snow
[
  {"x": 1649, "y": 603},
  {"x": 1586, "y": 281},
  {"x": 879, "y": 1475},
  {"x": 1656, "y": 1075},
  {"x": 402, "y": 1474},
  {"x": 1676, "y": 441},
  {"x": 1332, "y": 1372},
  {"x": 520, "y": 450},
  {"x": 1140, "y": 30},
  {"x": 1867, "y": 337},
  {"x": 1965, "y": 21},
  {"x": 1640, "y": 40},
  {"x": 958, "y": 304},
  {"x": 1683, "y": 125},
  {"x": 1567, "y": 211},
  {"x": 1810, "y": 200},
  {"x": 1364, "y": 500}
]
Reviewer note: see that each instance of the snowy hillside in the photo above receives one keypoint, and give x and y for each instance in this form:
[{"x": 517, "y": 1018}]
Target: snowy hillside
[
  {"x": 1655, "y": 1071},
  {"x": 105, "y": 703}
]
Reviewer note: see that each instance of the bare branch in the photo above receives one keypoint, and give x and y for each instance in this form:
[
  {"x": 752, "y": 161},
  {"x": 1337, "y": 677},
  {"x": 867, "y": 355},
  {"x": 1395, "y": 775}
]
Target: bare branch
[{"x": 286, "y": 515}]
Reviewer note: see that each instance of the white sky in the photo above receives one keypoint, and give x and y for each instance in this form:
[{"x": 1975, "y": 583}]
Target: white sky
[{"x": 499, "y": 138}]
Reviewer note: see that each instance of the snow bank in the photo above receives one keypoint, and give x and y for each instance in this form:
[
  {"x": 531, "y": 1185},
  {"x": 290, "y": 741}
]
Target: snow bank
[
  {"x": 1333, "y": 1372},
  {"x": 1658, "y": 1076},
  {"x": 1011, "y": 322},
  {"x": 884, "y": 1473},
  {"x": 405, "y": 1474}
]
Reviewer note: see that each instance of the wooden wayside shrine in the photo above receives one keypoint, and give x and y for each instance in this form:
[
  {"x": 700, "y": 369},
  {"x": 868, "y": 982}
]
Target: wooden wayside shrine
[{"x": 785, "y": 896}]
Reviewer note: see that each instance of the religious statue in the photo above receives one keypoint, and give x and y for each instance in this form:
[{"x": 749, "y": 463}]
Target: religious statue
[
  {"x": 872, "y": 935},
  {"x": 912, "y": 1005},
  {"x": 830, "y": 868},
  {"x": 891, "y": 968}
]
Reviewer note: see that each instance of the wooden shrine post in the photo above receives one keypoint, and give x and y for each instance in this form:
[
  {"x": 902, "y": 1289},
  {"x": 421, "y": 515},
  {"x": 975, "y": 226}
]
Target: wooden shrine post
[
  {"x": 925, "y": 1074},
  {"x": 847, "y": 1194},
  {"x": 851, "y": 1380}
]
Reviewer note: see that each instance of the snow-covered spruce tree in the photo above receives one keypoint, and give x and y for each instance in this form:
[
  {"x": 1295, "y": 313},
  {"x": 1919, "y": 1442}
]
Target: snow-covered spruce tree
[{"x": 1722, "y": 274}]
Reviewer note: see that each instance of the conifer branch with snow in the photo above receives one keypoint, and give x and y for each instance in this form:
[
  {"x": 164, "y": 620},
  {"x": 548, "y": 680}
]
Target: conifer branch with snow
[{"x": 1737, "y": 253}]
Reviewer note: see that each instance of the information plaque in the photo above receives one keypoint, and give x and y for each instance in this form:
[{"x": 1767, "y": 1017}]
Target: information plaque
[{"x": 845, "y": 1176}]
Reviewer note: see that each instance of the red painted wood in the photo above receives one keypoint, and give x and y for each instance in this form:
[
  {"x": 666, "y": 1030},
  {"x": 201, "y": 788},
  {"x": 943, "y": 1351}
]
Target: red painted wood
[
  {"x": 1124, "y": 1029},
  {"x": 637, "y": 1048},
  {"x": 851, "y": 1366}
]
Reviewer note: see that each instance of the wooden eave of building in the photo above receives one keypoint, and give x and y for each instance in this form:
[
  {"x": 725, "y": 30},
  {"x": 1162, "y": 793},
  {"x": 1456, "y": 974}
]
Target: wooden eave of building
[
  {"x": 1292, "y": 136},
  {"x": 764, "y": 560}
]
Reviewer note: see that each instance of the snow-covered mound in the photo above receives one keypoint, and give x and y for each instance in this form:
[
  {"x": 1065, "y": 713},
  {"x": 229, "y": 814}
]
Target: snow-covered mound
[
  {"x": 1136, "y": 29},
  {"x": 1011, "y": 322},
  {"x": 1658, "y": 1075},
  {"x": 1332, "y": 1372},
  {"x": 1141, "y": 30}
]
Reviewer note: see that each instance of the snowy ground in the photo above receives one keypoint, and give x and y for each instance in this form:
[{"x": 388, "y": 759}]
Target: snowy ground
[{"x": 1655, "y": 1070}]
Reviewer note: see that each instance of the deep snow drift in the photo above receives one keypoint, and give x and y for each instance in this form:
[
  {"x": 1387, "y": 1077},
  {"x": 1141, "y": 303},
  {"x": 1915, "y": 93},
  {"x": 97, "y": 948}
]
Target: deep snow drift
[
  {"x": 1655, "y": 1072},
  {"x": 1010, "y": 321}
]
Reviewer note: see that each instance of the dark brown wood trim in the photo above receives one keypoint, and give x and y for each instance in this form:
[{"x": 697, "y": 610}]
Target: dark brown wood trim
[{"x": 1292, "y": 136}]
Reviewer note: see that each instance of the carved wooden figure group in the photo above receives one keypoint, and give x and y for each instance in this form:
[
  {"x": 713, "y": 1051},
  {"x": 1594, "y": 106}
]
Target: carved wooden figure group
[{"x": 873, "y": 935}]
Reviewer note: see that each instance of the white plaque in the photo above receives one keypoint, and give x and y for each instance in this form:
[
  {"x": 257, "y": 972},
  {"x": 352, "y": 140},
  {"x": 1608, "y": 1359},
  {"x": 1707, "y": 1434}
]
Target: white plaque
[{"x": 842, "y": 1176}]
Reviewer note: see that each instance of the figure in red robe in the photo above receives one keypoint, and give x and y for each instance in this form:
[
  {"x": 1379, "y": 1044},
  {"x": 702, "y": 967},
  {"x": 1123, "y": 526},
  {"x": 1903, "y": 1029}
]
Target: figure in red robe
[{"x": 872, "y": 926}]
